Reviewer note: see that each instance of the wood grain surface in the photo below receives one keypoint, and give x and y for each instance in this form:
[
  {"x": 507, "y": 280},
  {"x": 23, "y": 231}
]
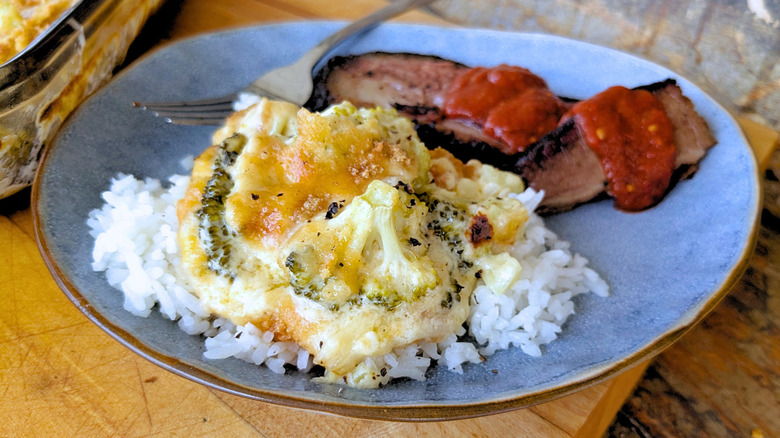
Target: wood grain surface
[{"x": 60, "y": 375}]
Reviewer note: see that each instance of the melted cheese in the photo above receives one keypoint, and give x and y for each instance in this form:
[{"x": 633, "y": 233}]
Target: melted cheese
[{"x": 338, "y": 231}]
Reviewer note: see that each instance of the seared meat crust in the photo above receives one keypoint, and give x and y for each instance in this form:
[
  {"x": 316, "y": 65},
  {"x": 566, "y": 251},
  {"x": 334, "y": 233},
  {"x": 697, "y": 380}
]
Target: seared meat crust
[{"x": 560, "y": 163}]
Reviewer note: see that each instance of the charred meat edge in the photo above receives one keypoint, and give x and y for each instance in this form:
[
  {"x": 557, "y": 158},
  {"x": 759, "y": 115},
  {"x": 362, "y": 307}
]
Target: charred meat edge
[{"x": 560, "y": 163}]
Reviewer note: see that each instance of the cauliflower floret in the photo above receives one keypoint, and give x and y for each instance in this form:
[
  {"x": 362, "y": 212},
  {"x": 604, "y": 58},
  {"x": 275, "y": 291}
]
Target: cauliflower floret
[
  {"x": 370, "y": 252},
  {"x": 499, "y": 271},
  {"x": 402, "y": 274}
]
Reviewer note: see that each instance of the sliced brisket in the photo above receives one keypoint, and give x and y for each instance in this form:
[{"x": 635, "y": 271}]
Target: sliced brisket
[{"x": 560, "y": 163}]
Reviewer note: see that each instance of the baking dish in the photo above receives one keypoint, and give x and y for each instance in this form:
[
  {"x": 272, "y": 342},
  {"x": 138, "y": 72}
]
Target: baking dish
[{"x": 44, "y": 82}]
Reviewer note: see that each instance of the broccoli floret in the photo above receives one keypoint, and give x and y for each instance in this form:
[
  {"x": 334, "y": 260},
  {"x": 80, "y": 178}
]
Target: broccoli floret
[
  {"x": 304, "y": 279},
  {"x": 213, "y": 232}
]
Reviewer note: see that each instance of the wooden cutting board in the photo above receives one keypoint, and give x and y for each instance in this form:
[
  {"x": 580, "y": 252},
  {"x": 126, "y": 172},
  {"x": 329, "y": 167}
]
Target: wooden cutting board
[{"x": 60, "y": 375}]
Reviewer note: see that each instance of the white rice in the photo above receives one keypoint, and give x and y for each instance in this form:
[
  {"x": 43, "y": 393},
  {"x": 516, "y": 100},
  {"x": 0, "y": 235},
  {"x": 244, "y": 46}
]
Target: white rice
[{"x": 135, "y": 244}]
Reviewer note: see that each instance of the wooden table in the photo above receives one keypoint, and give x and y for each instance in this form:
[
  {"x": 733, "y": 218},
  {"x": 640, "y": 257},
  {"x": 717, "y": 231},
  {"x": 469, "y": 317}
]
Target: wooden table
[{"x": 62, "y": 376}]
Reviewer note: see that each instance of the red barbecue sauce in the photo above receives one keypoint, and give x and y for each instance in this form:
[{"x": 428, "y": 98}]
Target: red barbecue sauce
[
  {"x": 633, "y": 137},
  {"x": 627, "y": 129},
  {"x": 511, "y": 104}
]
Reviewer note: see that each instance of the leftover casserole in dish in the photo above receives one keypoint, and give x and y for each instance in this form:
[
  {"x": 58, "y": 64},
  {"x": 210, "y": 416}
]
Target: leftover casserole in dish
[{"x": 54, "y": 53}]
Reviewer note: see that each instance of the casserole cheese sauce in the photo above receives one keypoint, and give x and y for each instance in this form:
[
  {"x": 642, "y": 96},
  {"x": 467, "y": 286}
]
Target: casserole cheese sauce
[
  {"x": 299, "y": 181},
  {"x": 341, "y": 232}
]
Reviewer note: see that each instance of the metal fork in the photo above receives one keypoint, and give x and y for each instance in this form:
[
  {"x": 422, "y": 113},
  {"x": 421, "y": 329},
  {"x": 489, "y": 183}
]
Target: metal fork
[{"x": 292, "y": 83}]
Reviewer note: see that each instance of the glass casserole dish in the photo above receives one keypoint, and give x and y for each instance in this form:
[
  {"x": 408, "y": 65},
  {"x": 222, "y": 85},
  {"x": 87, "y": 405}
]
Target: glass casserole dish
[{"x": 41, "y": 84}]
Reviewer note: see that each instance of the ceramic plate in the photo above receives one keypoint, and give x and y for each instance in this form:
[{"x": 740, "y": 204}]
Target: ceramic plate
[{"x": 666, "y": 267}]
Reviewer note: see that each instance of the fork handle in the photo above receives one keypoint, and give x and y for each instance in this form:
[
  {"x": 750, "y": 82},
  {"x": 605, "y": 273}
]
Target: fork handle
[{"x": 360, "y": 26}]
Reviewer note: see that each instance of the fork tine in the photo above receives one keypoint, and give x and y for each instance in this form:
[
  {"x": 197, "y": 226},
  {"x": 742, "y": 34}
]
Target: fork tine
[
  {"x": 200, "y": 112},
  {"x": 223, "y": 107},
  {"x": 173, "y": 114},
  {"x": 189, "y": 108},
  {"x": 201, "y": 121},
  {"x": 221, "y": 102}
]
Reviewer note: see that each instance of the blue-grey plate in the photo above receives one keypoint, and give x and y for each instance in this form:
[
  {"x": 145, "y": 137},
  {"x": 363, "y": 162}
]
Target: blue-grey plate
[{"x": 667, "y": 267}]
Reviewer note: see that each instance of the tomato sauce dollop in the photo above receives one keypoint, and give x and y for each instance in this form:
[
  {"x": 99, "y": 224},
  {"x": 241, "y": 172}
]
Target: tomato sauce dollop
[
  {"x": 633, "y": 137},
  {"x": 509, "y": 103}
]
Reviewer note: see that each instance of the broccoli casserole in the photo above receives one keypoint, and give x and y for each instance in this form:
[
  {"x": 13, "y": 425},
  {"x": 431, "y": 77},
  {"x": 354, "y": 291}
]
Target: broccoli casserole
[{"x": 341, "y": 232}]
